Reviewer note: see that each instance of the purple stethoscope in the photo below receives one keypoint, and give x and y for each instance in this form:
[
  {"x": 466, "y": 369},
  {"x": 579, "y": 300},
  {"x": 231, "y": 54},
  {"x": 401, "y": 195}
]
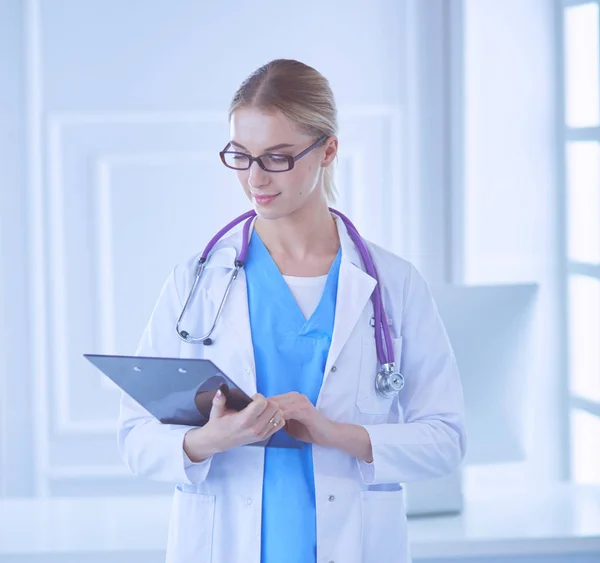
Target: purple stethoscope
[{"x": 388, "y": 381}]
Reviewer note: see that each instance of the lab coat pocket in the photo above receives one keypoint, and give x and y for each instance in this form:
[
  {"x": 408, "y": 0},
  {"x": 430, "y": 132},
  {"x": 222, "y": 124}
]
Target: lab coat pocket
[
  {"x": 384, "y": 528},
  {"x": 368, "y": 400},
  {"x": 191, "y": 528}
]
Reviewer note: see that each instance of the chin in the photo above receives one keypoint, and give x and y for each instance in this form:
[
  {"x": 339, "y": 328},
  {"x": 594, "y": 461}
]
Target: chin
[
  {"x": 269, "y": 214},
  {"x": 276, "y": 210}
]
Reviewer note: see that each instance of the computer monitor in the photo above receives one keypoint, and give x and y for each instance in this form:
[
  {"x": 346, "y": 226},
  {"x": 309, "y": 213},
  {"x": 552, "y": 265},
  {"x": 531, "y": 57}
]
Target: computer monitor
[{"x": 491, "y": 330}]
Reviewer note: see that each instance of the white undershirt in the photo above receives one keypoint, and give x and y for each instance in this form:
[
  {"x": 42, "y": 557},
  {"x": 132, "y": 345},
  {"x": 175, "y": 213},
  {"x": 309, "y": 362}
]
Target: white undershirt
[{"x": 307, "y": 292}]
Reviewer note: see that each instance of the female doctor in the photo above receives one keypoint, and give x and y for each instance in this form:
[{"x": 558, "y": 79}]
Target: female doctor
[{"x": 298, "y": 334}]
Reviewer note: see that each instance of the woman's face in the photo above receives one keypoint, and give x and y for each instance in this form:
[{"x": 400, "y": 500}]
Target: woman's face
[{"x": 278, "y": 194}]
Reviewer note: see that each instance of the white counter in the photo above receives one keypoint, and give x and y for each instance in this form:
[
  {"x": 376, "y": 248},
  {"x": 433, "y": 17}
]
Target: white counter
[{"x": 561, "y": 520}]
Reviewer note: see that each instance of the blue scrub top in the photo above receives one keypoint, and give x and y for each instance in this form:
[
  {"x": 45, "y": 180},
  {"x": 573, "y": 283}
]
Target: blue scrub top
[{"x": 290, "y": 354}]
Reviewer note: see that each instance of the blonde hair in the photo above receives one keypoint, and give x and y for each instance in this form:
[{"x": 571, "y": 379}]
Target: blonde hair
[{"x": 299, "y": 92}]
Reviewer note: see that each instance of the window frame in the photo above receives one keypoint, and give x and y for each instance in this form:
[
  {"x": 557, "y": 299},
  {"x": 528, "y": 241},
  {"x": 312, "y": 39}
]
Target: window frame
[{"x": 570, "y": 267}]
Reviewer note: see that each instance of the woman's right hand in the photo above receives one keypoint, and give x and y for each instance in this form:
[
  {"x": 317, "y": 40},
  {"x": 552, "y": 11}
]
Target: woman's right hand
[{"x": 228, "y": 428}]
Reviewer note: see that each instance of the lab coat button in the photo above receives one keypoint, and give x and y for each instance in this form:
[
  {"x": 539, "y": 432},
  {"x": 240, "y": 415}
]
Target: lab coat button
[
  {"x": 333, "y": 368},
  {"x": 248, "y": 501},
  {"x": 331, "y": 498}
]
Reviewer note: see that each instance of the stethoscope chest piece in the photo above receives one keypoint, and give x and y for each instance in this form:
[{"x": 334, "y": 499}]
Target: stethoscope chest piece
[{"x": 389, "y": 382}]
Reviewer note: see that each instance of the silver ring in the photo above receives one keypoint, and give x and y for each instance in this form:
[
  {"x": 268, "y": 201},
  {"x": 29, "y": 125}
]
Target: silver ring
[{"x": 274, "y": 421}]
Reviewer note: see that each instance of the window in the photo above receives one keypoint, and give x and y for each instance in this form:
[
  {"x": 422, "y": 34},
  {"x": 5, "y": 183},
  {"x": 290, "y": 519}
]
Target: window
[{"x": 581, "y": 23}]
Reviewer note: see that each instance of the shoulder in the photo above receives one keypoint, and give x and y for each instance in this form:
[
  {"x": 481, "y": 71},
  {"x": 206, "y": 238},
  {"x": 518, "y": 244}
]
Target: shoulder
[
  {"x": 389, "y": 264},
  {"x": 185, "y": 270},
  {"x": 401, "y": 279}
]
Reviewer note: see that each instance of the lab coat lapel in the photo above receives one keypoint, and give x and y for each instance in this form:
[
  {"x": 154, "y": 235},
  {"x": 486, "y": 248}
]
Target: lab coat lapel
[
  {"x": 355, "y": 287},
  {"x": 234, "y": 324}
]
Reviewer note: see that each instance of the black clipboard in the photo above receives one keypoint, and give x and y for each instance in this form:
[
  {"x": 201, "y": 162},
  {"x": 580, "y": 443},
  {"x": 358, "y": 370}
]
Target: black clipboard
[{"x": 179, "y": 390}]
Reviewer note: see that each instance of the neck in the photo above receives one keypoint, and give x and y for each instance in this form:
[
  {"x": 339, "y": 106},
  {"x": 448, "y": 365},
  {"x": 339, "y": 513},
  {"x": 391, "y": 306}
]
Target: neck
[{"x": 307, "y": 233}]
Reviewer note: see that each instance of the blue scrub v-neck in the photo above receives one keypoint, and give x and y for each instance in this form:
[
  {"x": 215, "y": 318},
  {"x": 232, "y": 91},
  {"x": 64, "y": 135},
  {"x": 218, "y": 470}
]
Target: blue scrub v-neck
[
  {"x": 290, "y": 317},
  {"x": 290, "y": 354}
]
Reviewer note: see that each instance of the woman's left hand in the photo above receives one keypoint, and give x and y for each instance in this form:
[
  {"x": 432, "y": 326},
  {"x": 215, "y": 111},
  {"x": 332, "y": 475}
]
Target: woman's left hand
[{"x": 303, "y": 421}]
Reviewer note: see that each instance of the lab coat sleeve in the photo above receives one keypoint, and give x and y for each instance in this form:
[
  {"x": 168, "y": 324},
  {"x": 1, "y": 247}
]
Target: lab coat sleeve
[
  {"x": 430, "y": 440},
  {"x": 148, "y": 447}
]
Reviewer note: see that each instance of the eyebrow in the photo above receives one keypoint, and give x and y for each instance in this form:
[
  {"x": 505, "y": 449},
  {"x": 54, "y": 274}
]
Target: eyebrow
[{"x": 273, "y": 148}]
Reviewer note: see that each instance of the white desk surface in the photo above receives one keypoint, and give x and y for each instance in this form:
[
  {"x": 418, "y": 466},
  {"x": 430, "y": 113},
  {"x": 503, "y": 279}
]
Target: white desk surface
[{"x": 561, "y": 519}]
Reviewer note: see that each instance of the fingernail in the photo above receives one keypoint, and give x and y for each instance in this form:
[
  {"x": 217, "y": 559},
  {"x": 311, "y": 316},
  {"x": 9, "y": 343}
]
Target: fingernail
[{"x": 219, "y": 394}]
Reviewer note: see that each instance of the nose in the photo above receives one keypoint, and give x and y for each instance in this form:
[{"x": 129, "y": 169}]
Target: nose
[{"x": 257, "y": 177}]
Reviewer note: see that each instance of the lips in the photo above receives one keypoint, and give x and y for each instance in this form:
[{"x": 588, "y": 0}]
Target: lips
[{"x": 263, "y": 199}]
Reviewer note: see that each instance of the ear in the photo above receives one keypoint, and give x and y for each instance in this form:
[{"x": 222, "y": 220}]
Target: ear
[{"x": 331, "y": 148}]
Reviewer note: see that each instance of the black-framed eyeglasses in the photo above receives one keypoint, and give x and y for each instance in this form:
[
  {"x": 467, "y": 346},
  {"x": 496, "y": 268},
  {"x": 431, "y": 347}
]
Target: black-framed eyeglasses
[{"x": 270, "y": 162}]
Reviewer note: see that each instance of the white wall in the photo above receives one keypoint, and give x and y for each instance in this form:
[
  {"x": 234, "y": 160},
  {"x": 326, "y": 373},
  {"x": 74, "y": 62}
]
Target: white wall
[{"x": 15, "y": 368}]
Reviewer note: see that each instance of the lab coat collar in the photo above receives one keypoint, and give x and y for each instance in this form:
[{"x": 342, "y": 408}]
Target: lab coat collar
[{"x": 355, "y": 287}]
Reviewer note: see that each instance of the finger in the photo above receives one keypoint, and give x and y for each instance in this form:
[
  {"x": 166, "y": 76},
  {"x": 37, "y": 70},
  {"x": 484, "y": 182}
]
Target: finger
[
  {"x": 256, "y": 415},
  {"x": 295, "y": 413},
  {"x": 218, "y": 405},
  {"x": 263, "y": 421},
  {"x": 266, "y": 415},
  {"x": 275, "y": 423},
  {"x": 284, "y": 395},
  {"x": 289, "y": 415},
  {"x": 284, "y": 401},
  {"x": 256, "y": 407},
  {"x": 291, "y": 398}
]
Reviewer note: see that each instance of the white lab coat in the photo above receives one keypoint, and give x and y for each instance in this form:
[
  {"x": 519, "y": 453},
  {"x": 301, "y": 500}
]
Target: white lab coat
[{"x": 361, "y": 517}]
